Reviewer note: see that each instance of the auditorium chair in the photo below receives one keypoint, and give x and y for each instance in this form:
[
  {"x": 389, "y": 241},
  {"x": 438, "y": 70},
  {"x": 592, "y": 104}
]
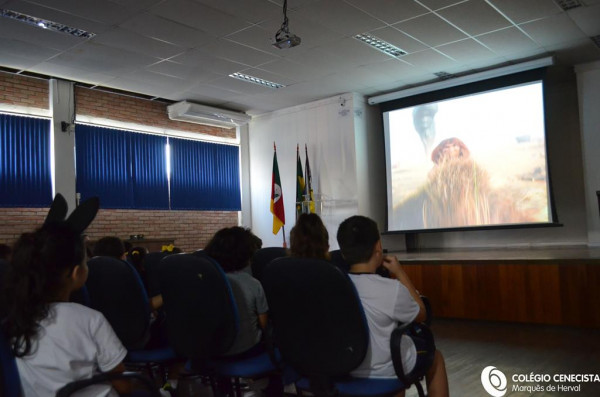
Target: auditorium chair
[
  {"x": 263, "y": 257},
  {"x": 321, "y": 331},
  {"x": 202, "y": 321},
  {"x": 116, "y": 290}
]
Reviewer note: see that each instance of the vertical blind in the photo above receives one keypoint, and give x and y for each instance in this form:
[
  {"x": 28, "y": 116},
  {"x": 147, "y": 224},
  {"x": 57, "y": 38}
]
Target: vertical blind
[
  {"x": 124, "y": 169},
  {"x": 204, "y": 176},
  {"x": 25, "y": 165},
  {"x": 129, "y": 170}
]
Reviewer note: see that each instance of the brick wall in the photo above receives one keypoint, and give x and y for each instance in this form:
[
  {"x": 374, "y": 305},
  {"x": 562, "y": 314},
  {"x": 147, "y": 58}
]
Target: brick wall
[
  {"x": 23, "y": 91},
  {"x": 96, "y": 103},
  {"x": 191, "y": 229}
]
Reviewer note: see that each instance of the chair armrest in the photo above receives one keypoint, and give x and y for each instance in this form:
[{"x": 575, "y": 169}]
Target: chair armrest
[
  {"x": 424, "y": 344},
  {"x": 428, "y": 310},
  {"x": 72, "y": 387}
]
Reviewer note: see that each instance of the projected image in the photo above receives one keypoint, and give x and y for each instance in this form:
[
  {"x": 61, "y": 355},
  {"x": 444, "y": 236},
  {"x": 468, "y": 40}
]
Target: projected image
[{"x": 471, "y": 161}]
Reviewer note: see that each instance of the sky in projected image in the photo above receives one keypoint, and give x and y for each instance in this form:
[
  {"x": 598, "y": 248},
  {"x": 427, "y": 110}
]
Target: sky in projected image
[{"x": 488, "y": 165}]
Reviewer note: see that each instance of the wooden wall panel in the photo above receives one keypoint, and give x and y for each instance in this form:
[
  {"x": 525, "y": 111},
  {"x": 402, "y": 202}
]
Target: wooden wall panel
[{"x": 542, "y": 293}]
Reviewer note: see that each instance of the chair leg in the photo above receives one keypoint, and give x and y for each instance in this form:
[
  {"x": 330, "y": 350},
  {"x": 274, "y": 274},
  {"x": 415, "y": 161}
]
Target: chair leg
[{"x": 420, "y": 389}]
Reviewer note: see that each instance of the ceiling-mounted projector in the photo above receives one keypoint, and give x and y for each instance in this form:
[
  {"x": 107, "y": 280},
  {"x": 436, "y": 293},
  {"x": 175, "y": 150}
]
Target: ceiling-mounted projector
[
  {"x": 286, "y": 41},
  {"x": 283, "y": 38},
  {"x": 200, "y": 114}
]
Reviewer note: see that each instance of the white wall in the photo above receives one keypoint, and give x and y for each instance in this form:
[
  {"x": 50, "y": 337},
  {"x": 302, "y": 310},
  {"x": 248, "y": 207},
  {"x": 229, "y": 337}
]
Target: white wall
[
  {"x": 588, "y": 83},
  {"x": 327, "y": 127}
]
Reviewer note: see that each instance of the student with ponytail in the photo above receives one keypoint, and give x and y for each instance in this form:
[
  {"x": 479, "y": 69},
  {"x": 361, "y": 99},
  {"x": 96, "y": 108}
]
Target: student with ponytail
[{"x": 56, "y": 341}]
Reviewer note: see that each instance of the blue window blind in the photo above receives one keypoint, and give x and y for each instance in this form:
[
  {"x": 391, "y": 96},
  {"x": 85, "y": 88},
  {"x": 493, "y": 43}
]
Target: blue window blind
[
  {"x": 124, "y": 169},
  {"x": 25, "y": 169},
  {"x": 204, "y": 176}
]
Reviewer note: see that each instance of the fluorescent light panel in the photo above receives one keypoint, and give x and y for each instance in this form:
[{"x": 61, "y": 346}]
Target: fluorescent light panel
[
  {"x": 45, "y": 24},
  {"x": 380, "y": 45},
  {"x": 256, "y": 80}
]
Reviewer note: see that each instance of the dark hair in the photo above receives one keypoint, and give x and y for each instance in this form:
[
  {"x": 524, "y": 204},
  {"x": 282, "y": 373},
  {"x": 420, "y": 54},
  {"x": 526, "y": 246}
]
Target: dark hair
[
  {"x": 233, "y": 247},
  {"x": 37, "y": 273},
  {"x": 136, "y": 256},
  {"x": 357, "y": 236},
  {"x": 309, "y": 238},
  {"x": 5, "y": 251},
  {"x": 109, "y": 246}
]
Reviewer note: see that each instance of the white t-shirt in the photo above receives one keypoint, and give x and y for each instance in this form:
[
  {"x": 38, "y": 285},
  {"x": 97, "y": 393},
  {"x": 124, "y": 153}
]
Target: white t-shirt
[
  {"x": 74, "y": 343},
  {"x": 385, "y": 302}
]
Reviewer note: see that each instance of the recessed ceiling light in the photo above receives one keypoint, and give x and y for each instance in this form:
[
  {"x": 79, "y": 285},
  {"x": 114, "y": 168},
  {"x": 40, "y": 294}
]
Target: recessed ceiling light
[
  {"x": 444, "y": 75},
  {"x": 380, "y": 45},
  {"x": 45, "y": 24},
  {"x": 255, "y": 80},
  {"x": 568, "y": 4}
]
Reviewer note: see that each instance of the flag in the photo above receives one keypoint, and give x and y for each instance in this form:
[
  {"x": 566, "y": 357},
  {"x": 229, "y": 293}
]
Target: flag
[
  {"x": 299, "y": 183},
  {"x": 276, "y": 196},
  {"x": 308, "y": 183}
]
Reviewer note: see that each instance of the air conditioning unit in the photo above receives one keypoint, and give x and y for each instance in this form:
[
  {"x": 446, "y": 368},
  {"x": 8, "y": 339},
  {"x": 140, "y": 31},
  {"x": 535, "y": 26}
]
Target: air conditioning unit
[{"x": 199, "y": 114}]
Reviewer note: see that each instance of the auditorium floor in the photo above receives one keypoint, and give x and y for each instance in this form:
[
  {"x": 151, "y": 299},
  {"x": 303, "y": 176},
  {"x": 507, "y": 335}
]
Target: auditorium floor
[{"x": 517, "y": 350}]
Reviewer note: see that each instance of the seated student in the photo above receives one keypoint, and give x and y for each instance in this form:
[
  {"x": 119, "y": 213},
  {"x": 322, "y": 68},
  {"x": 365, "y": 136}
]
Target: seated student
[
  {"x": 110, "y": 246},
  {"x": 233, "y": 248},
  {"x": 5, "y": 252},
  {"x": 56, "y": 341},
  {"x": 309, "y": 238},
  {"x": 386, "y": 302}
]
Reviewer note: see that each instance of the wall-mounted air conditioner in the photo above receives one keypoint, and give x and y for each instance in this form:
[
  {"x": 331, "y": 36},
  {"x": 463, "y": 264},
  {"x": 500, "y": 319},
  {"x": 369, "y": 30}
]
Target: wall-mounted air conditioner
[{"x": 200, "y": 114}]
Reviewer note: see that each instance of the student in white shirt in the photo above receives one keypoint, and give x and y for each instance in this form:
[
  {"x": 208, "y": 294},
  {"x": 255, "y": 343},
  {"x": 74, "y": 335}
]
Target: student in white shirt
[
  {"x": 386, "y": 301},
  {"x": 55, "y": 341}
]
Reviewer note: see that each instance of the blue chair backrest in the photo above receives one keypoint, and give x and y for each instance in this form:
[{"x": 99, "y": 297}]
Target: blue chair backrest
[
  {"x": 318, "y": 321},
  {"x": 10, "y": 384},
  {"x": 152, "y": 262},
  {"x": 116, "y": 290},
  {"x": 263, "y": 257},
  {"x": 202, "y": 317}
]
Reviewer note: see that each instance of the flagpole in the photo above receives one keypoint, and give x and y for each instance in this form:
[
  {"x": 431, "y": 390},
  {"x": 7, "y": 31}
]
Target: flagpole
[{"x": 284, "y": 242}]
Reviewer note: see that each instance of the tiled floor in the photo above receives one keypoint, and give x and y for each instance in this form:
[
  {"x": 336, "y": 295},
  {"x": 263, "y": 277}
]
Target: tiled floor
[{"x": 516, "y": 349}]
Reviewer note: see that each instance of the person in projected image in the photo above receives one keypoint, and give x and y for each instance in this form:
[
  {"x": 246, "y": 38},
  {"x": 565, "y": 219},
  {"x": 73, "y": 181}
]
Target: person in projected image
[
  {"x": 424, "y": 122},
  {"x": 457, "y": 193}
]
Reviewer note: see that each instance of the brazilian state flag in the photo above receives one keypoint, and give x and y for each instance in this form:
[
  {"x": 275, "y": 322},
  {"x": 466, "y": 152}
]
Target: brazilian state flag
[
  {"x": 299, "y": 183},
  {"x": 276, "y": 198}
]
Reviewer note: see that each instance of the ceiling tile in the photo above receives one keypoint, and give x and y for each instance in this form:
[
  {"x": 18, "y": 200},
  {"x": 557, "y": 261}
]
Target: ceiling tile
[
  {"x": 475, "y": 17},
  {"x": 394, "y": 69},
  {"x": 520, "y": 11},
  {"x": 429, "y": 60},
  {"x": 320, "y": 59},
  {"x": 255, "y": 37},
  {"x": 188, "y": 72},
  {"x": 99, "y": 58},
  {"x": 294, "y": 70},
  {"x": 200, "y": 17},
  {"x": 220, "y": 94},
  {"x": 587, "y": 18},
  {"x": 134, "y": 42},
  {"x": 580, "y": 51},
  {"x": 553, "y": 30},
  {"x": 354, "y": 53},
  {"x": 25, "y": 54},
  {"x": 168, "y": 31},
  {"x": 198, "y": 58},
  {"x": 339, "y": 17},
  {"x": 254, "y": 11},
  {"x": 69, "y": 72},
  {"x": 437, "y": 4},
  {"x": 420, "y": 29},
  {"x": 232, "y": 51},
  {"x": 107, "y": 12},
  {"x": 507, "y": 41},
  {"x": 398, "y": 38},
  {"x": 390, "y": 11},
  {"x": 466, "y": 51}
]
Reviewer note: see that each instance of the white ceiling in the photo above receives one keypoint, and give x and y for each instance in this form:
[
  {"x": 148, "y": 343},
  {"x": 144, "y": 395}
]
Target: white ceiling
[{"x": 185, "y": 49}]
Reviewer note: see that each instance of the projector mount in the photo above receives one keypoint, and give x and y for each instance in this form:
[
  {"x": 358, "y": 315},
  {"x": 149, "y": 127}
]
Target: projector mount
[{"x": 283, "y": 37}]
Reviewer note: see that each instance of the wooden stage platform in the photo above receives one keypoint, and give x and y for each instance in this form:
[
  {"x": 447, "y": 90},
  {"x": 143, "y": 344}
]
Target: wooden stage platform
[{"x": 559, "y": 286}]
